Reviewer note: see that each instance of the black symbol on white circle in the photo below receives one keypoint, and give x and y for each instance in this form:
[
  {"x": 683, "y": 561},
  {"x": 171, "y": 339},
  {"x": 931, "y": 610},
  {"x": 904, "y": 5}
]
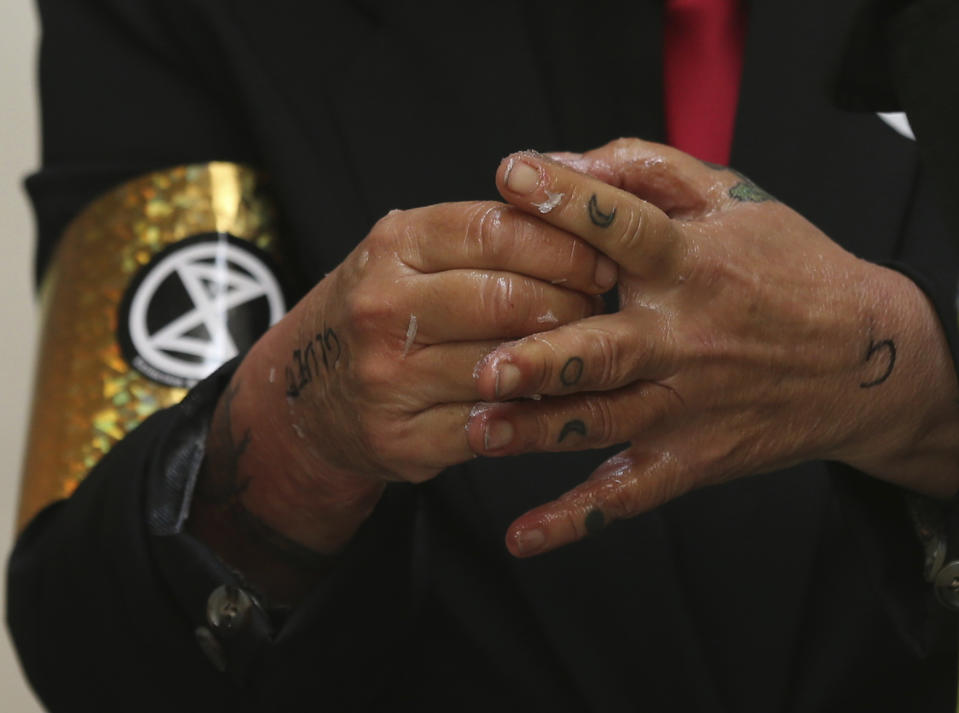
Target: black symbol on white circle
[{"x": 194, "y": 303}]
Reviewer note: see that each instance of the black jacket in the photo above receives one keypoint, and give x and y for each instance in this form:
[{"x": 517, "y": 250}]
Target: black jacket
[{"x": 797, "y": 591}]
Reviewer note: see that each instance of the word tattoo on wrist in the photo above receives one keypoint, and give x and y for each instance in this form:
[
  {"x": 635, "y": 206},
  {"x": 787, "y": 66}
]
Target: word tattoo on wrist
[
  {"x": 571, "y": 372},
  {"x": 603, "y": 220},
  {"x": 305, "y": 362},
  {"x": 574, "y": 426},
  {"x": 886, "y": 347},
  {"x": 595, "y": 521}
]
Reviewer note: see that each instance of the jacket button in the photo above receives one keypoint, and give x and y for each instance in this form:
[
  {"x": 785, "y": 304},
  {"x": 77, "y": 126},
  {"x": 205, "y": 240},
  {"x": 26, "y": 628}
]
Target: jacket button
[
  {"x": 947, "y": 585},
  {"x": 211, "y": 648},
  {"x": 228, "y": 609}
]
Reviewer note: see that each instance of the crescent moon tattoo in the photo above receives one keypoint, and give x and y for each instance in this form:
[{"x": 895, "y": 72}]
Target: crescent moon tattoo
[
  {"x": 874, "y": 348},
  {"x": 603, "y": 220}
]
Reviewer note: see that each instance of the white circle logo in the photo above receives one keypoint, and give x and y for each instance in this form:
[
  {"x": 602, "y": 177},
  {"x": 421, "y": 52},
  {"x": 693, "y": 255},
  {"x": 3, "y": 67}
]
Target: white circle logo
[{"x": 196, "y": 306}]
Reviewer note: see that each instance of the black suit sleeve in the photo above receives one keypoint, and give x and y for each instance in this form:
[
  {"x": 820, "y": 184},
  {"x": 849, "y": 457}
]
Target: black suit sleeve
[
  {"x": 120, "y": 95},
  {"x": 107, "y": 596}
]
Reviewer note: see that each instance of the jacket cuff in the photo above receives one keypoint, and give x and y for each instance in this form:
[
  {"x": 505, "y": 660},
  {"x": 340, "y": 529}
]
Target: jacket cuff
[{"x": 363, "y": 605}]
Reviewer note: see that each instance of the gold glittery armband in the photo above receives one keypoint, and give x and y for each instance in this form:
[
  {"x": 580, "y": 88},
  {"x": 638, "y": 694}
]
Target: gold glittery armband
[{"x": 151, "y": 288}]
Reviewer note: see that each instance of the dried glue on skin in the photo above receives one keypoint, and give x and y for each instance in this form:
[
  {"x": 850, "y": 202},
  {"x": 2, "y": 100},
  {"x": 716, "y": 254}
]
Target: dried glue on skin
[
  {"x": 410, "y": 336},
  {"x": 549, "y": 319},
  {"x": 552, "y": 200}
]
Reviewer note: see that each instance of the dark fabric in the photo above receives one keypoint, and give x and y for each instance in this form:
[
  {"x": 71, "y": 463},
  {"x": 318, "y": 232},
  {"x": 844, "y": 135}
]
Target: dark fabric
[
  {"x": 902, "y": 56},
  {"x": 795, "y": 591}
]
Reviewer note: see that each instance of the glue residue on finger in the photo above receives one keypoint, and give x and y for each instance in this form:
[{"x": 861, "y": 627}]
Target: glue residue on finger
[
  {"x": 552, "y": 200},
  {"x": 547, "y": 319},
  {"x": 410, "y": 336}
]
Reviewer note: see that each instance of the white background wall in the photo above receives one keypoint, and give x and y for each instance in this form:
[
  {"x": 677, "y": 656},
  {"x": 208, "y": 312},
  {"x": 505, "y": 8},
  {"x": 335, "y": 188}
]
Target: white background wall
[{"x": 18, "y": 156}]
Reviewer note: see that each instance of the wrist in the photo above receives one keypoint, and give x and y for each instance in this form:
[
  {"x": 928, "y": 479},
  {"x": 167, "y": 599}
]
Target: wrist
[
  {"x": 909, "y": 424},
  {"x": 266, "y": 500}
]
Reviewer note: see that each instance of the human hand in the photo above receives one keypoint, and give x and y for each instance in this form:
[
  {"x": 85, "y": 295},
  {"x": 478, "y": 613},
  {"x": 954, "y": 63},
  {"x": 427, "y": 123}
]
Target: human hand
[
  {"x": 746, "y": 341},
  {"x": 370, "y": 377}
]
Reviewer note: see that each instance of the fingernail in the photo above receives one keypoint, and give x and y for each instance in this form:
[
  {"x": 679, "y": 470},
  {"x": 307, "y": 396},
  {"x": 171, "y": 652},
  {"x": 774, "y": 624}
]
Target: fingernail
[
  {"x": 507, "y": 379},
  {"x": 498, "y": 434},
  {"x": 521, "y": 177},
  {"x": 529, "y": 542},
  {"x": 606, "y": 273}
]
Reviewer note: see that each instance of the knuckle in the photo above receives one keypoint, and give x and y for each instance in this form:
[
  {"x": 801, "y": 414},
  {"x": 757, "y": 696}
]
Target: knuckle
[
  {"x": 484, "y": 231},
  {"x": 623, "y": 144},
  {"x": 542, "y": 436},
  {"x": 606, "y": 358},
  {"x": 368, "y": 311},
  {"x": 574, "y": 523},
  {"x": 390, "y": 227},
  {"x": 387, "y": 223},
  {"x": 631, "y": 236},
  {"x": 573, "y": 202},
  {"x": 499, "y": 300},
  {"x": 601, "y": 422},
  {"x": 666, "y": 487},
  {"x": 391, "y": 441},
  {"x": 539, "y": 363},
  {"x": 619, "y": 502},
  {"x": 373, "y": 374},
  {"x": 399, "y": 232}
]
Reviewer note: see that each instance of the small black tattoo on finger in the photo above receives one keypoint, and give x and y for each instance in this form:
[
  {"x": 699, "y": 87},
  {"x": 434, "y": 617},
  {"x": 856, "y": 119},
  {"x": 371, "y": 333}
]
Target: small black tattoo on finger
[
  {"x": 889, "y": 347},
  {"x": 595, "y": 521},
  {"x": 574, "y": 426},
  {"x": 571, "y": 372},
  {"x": 603, "y": 220}
]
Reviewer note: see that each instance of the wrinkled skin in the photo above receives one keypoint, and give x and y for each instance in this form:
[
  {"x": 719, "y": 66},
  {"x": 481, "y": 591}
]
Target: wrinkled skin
[
  {"x": 369, "y": 379},
  {"x": 746, "y": 341}
]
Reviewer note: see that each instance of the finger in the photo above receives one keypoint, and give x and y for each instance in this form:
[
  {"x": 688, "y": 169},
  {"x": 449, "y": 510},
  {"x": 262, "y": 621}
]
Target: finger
[
  {"x": 634, "y": 233},
  {"x": 473, "y": 305},
  {"x": 595, "y": 354},
  {"x": 672, "y": 180},
  {"x": 420, "y": 445},
  {"x": 626, "y": 485},
  {"x": 494, "y": 236},
  {"x": 585, "y": 163},
  {"x": 443, "y": 373},
  {"x": 579, "y": 422},
  {"x": 679, "y": 184}
]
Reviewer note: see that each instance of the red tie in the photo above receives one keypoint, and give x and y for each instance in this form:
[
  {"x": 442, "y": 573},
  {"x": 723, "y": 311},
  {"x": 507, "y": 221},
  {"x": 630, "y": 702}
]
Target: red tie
[{"x": 702, "y": 66}]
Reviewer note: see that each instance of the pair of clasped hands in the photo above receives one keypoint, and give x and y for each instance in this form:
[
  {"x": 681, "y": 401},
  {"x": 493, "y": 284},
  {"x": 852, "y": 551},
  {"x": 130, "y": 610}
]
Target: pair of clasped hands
[{"x": 746, "y": 341}]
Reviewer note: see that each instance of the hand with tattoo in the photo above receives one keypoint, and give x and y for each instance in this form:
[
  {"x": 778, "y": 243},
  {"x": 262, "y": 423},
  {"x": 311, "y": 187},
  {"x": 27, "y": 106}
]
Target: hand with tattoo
[
  {"x": 369, "y": 378},
  {"x": 746, "y": 341}
]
